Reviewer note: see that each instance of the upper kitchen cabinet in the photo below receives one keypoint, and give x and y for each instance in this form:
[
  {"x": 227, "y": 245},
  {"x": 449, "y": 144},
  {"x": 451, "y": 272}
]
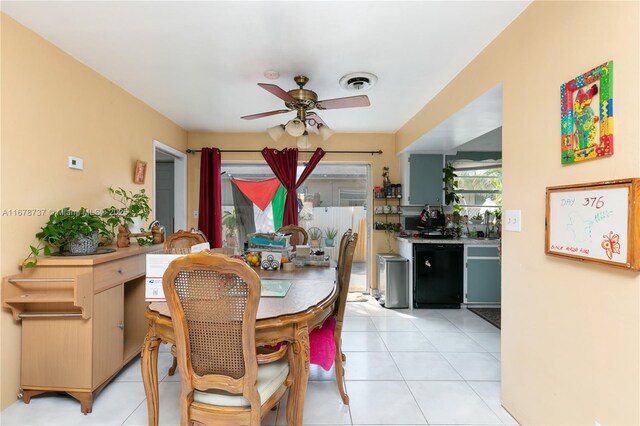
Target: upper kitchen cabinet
[{"x": 424, "y": 179}]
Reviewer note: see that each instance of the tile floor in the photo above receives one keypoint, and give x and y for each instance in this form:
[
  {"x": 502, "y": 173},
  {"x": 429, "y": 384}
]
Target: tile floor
[{"x": 436, "y": 367}]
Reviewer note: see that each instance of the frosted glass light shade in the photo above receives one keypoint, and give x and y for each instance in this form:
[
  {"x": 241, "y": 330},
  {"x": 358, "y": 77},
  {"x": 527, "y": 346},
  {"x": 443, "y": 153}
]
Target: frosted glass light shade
[
  {"x": 303, "y": 141},
  {"x": 295, "y": 127},
  {"x": 276, "y": 132},
  {"x": 325, "y": 132}
]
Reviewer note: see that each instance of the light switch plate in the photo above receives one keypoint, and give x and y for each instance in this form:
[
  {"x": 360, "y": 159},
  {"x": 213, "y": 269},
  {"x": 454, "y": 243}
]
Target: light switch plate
[
  {"x": 513, "y": 220},
  {"x": 75, "y": 163}
]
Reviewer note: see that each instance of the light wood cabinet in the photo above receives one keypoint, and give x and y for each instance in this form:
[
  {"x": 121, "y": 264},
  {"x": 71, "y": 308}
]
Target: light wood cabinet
[{"x": 82, "y": 320}]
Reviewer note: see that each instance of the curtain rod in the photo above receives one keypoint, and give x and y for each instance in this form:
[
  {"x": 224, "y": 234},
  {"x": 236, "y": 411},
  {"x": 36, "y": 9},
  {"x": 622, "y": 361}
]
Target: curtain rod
[{"x": 195, "y": 151}]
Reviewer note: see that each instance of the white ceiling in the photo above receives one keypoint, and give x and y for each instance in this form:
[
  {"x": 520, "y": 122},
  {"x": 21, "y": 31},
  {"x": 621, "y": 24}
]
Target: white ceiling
[
  {"x": 477, "y": 118},
  {"x": 198, "y": 62}
]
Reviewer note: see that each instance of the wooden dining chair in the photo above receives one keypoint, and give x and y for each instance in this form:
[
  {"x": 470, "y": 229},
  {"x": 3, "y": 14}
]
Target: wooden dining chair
[
  {"x": 213, "y": 300},
  {"x": 299, "y": 235},
  {"x": 184, "y": 240},
  {"x": 345, "y": 262},
  {"x": 180, "y": 242}
]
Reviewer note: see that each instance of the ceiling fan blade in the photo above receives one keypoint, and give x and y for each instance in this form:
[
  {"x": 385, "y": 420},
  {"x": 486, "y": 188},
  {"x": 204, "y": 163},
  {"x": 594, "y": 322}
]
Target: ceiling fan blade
[
  {"x": 314, "y": 120},
  {"x": 264, "y": 114},
  {"x": 348, "y": 102},
  {"x": 279, "y": 92}
]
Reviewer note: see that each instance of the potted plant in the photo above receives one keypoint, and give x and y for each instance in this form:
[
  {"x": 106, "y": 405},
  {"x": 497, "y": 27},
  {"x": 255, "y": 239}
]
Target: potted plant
[
  {"x": 315, "y": 234},
  {"x": 78, "y": 232},
  {"x": 450, "y": 185},
  {"x": 390, "y": 230},
  {"x": 476, "y": 219},
  {"x": 230, "y": 222},
  {"x": 330, "y": 236},
  {"x": 132, "y": 213}
]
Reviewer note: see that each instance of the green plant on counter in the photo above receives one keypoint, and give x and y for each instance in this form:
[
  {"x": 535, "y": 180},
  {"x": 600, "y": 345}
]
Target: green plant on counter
[
  {"x": 450, "y": 185},
  {"x": 390, "y": 230},
  {"x": 331, "y": 233},
  {"x": 63, "y": 227},
  {"x": 230, "y": 222},
  {"x": 315, "y": 233},
  {"x": 133, "y": 205}
]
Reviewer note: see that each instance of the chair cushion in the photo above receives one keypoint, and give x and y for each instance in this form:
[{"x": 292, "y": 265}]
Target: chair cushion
[
  {"x": 270, "y": 378},
  {"x": 322, "y": 344}
]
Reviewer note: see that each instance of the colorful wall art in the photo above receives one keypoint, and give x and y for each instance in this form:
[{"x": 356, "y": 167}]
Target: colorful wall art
[{"x": 586, "y": 115}]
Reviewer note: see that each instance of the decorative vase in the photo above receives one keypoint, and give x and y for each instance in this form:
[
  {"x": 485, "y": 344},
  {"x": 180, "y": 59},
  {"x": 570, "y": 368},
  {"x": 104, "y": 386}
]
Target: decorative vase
[
  {"x": 136, "y": 225},
  {"x": 85, "y": 244},
  {"x": 328, "y": 242}
]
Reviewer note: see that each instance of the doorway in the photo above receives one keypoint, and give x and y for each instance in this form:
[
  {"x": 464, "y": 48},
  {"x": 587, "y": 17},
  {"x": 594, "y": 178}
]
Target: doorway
[{"x": 170, "y": 187}]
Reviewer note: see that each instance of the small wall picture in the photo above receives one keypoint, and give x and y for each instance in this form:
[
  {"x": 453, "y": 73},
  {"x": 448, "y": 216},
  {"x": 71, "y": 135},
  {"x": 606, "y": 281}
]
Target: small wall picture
[
  {"x": 586, "y": 115},
  {"x": 140, "y": 172}
]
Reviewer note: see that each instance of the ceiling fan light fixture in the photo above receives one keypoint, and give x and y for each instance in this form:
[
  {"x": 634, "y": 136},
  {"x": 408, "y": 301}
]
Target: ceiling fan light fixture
[
  {"x": 276, "y": 132},
  {"x": 295, "y": 127},
  {"x": 325, "y": 131},
  {"x": 303, "y": 141}
]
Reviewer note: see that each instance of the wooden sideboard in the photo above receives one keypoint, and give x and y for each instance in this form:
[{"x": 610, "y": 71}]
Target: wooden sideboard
[{"x": 82, "y": 320}]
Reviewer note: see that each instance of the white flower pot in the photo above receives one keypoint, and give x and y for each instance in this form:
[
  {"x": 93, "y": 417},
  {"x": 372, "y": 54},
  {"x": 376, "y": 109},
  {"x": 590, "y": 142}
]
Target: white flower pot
[{"x": 137, "y": 225}]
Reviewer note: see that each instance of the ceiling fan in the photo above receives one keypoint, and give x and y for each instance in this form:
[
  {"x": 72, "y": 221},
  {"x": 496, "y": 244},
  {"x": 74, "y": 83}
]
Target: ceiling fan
[{"x": 303, "y": 101}]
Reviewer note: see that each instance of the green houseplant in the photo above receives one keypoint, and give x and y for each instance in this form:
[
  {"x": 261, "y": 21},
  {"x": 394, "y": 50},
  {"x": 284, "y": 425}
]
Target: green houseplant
[
  {"x": 230, "y": 222},
  {"x": 133, "y": 210},
  {"x": 450, "y": 184},
  {"x": 78, "y": 232},
  {"x": 315, "y": 234},
  {"x": 330, "y": 236}
]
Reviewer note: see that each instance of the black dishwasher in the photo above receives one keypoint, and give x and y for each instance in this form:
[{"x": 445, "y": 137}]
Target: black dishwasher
[{"x": 438, "y": 275}]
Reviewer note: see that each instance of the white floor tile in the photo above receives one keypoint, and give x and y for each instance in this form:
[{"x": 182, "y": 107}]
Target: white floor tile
[
  {"x": 450, "y": 402},
  {"x": 419, "y": 313},
  {"x": 453, "y": 342},
  {"x": 383, "y": 402},
  {"x": 489, "y": 341},
  {"x": 111, "y": 407},
  {"x": 133, "y": 373},
  {"x": 406, "y": 341},
  {"x": 355, "y": 310},
  {"x": 434, "y": 324},
  {"x": 358, "y": 324},
  {"x": 490, "y": 394},
  {"x": 362, "y": 341},
  {"x": 371, "y": 366},
  {"x": 317, "y": 373},
  {"x": 474, "y": 324},
  {"x": 169, "y": 407},
  {"x": 322, "y": 406},
  {"x": 424, "y": 366},
  {"x": 393, "y": 324},
  {"x": 475, "y": 366}
]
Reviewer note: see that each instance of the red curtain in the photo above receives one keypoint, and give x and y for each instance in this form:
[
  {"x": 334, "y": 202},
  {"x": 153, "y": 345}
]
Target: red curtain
[
  {"x": 210, "y": 210},
  {"x": 284, "y": 165}
]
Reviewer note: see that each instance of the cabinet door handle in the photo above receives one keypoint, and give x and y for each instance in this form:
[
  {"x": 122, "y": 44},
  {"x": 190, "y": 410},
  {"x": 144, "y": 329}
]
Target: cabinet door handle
[
  {"x": 120, "y": 270},
  {"x": 121, "y": 326},
  {"x": 426, "y": 263}
]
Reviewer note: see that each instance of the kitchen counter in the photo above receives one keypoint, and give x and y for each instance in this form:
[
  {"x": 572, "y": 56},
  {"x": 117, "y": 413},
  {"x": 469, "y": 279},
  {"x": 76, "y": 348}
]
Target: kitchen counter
[{"x": 468, "y": 241}]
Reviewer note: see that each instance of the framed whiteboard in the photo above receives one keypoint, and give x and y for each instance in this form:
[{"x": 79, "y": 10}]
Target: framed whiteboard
[{"x": 595, "y": 222}]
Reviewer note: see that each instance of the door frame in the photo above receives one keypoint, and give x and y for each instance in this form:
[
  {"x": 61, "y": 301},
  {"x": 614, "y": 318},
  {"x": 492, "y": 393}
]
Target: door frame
[{"x": 180, "y": 182}]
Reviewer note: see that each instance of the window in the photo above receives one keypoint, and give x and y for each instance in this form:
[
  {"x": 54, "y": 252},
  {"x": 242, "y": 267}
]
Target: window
[{"x": 479, "y": 185}]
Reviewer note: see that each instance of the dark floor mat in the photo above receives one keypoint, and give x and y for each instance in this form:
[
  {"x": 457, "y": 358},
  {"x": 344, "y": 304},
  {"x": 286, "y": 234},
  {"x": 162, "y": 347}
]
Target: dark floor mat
[{"x": 490, "y": 314}]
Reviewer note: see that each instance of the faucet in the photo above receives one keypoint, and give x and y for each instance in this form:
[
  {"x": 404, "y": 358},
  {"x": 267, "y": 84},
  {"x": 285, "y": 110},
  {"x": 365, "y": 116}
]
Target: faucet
[{"x": 487, "y": 216}]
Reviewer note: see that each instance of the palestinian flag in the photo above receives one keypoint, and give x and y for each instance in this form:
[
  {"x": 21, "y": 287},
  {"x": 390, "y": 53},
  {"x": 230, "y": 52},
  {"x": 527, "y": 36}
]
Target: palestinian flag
[{"x": 259, "y": 205}]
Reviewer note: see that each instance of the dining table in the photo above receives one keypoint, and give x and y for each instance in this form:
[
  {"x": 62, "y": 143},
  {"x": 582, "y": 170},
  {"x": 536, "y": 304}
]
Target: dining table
[{"x": 308, "y": 302}]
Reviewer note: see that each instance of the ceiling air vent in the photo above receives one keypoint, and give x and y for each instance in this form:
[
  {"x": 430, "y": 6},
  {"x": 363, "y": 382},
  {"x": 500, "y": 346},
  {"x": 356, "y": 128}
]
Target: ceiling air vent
[{"x": 358, "y": 81}]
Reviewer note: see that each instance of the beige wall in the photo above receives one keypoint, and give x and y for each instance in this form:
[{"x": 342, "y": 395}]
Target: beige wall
[
  {"x": 53, "y": 107},
  {"x": 571, "y": 331},
  {"x": 338, "y": 142}
]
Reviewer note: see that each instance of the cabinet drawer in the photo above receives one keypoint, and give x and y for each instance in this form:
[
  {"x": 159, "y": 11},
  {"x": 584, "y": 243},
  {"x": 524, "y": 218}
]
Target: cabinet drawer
[
  {"x": 111, "y": 273},
  {"x": 490, "y": 251}
]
